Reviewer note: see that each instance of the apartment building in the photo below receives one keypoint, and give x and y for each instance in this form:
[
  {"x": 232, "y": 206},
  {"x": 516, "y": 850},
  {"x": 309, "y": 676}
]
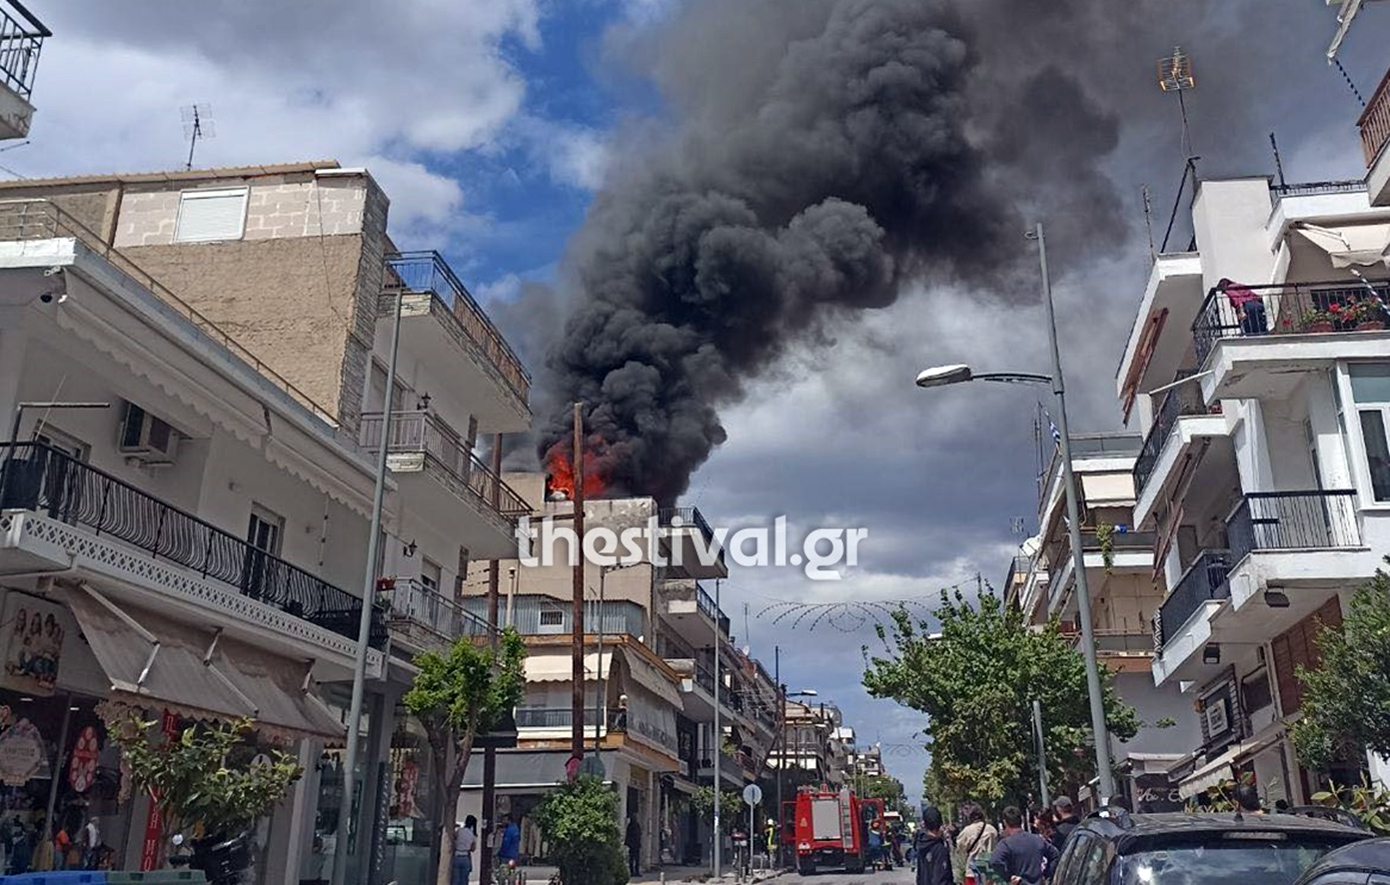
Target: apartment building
[
  {"x": 816, "y": 747},
  {"x": 1125, "y": 591},
  {"x": 243, "y": 441},
  {"x": 653, "y": 630},
  {"x": 1263, "y": 473}
]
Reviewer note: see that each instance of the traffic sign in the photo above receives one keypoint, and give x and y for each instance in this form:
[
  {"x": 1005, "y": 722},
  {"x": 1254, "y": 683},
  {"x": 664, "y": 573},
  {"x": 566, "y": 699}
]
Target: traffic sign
[{"x": 752, "y": 794}]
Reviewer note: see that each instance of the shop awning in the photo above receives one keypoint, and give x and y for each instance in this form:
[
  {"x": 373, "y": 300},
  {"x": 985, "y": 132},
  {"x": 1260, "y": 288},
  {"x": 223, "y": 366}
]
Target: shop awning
[
  {"x": 1212, "y": 774},
  {"x": 1362, "y": 244},
  {"x": 523, "y": 769},
  {"x": 153, "y": 660},
  {"x": 558, "y": 667},
  {"x": 652, "y": 679}
]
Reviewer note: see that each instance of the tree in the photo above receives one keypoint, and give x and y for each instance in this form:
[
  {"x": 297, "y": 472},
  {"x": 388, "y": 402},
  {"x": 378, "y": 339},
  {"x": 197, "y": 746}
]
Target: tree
[
  {"x": 730, "y": 803},
  {"x": 1346, "y": 700},
  {"x": 881, "y": 786},
  {"x": 456, "y": 697},
  {"x": 580, "y": 822},
  {"x": 976, "y": 683}
]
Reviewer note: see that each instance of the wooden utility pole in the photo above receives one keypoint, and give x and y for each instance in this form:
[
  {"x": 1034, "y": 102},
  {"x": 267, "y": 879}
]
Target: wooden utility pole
[
  {"x": 490, "y": 753},
  {"x": 577, "y": 616}
]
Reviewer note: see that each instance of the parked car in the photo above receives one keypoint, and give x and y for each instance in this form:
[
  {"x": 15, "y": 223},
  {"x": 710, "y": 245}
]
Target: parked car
[
  {"x": 1113, "y": 847},
  {"x": 1363, "y": 863}
]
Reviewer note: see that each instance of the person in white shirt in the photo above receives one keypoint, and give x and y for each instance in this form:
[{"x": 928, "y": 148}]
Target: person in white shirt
[{"x": 465, "y": 840}]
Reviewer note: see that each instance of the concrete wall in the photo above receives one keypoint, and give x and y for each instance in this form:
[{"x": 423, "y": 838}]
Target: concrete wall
[
  {"x": 1228, "y": 218},
  {"x": 1126, "y": 602},
  {"x": 1155, "y": 704}
]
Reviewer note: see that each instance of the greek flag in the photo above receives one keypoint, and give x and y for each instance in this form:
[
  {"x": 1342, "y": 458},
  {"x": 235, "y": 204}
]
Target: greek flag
[{"x": 1056, "y": 434}]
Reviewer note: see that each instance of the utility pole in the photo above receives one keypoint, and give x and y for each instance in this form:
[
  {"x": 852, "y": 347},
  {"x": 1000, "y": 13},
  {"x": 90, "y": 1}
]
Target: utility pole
[
  {"x": 490, "y": 753},
  {"x": 718, "y": 734},
  {"x": 577, "y": 613},
  {"x": 781, "y": 744},
  {"x": 600, "y": 696}
]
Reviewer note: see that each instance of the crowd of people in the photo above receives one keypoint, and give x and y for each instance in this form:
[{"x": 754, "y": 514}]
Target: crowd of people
[{"x": 947, "y": 854}]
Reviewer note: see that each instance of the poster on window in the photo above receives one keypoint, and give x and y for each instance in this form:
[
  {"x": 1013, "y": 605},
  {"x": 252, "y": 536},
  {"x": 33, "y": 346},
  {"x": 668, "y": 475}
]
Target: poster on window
[{"x": 33, "y": 631}]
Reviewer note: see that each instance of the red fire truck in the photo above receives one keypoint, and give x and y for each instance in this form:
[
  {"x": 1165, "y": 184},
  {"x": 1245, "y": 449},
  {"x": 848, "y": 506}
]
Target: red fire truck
[{"x": 828, "y": 829}]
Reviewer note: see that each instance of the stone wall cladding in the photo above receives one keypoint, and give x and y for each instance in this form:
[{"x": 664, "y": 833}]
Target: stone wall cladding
[
  {"x": 361, "y": 336},
  {"x": 91, "y": 205}
]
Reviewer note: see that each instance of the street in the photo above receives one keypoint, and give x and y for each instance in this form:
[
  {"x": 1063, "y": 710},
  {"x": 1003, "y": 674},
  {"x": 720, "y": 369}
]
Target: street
[{"x": 898, "y": 876}]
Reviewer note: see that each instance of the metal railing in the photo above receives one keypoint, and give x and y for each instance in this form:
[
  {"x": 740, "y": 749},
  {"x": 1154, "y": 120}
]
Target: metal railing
[
  {"x": 43, "y": 220},
  {"x": 689, "y": 516},
  {"x": 705, "y": 603},
  {"x": 422, "y": 432},
  {"x": 547, "y": 717},
  {"x": 1124, "y": 641},
  {"x": 411, "y": 600},
  {"x": 20, "y": 44},
  {"x": 1204, "y": 580},
  {"x": 1293, "y": 521},
  {"x": 428, "y": 272},
  {"x": 45, "y": 480},
  {"x": 1290, "y": 308},
  {"x": 1317, "y": 188},
  {"x": 1374, "y": 122},
  {"x": 1182, "y": 401}
]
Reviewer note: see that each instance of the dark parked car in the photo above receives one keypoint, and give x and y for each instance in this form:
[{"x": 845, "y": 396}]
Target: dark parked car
[
  {"x": 1116, "y": 848},
  {"x": 1365, "y": 863}
]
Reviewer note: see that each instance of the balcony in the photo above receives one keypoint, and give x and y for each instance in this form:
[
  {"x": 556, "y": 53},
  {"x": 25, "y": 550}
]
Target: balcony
[
  {"x": 1313, "y": 520},
  {"x": 1203, "y": 582},
  {"x": 1294, "y": 328},
  {"x": 442, "y": 324},
  {"x": 730, "y": 767},
  {"x": 434, "y": 466},
  {"x": 690, "y": 542},
  {"x": 422, "y": 618},
  {"x": 1375, "y": 134},
  {"x": 21, "y": 40},
  {"x": 692, "y": 612},
  {"x": 1128, "y": 551},
  {"x": 61, "y": 490}
]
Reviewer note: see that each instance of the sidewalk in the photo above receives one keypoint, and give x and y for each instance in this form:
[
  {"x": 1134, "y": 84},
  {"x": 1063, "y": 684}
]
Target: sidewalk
[{"x": 540, "y": 875}]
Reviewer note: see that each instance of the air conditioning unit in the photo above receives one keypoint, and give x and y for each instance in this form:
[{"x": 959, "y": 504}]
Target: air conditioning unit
[{"x": 147, "y": 439}]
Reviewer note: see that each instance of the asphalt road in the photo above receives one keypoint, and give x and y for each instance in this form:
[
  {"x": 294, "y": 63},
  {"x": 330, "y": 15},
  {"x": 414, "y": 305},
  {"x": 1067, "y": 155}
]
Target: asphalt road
[{"x": 897, "y": 876}]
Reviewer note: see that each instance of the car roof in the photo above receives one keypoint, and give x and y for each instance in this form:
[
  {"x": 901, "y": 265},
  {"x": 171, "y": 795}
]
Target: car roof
[
  {"x": 1127, "y": 829},
  {"x": 1372, "y": 855}
]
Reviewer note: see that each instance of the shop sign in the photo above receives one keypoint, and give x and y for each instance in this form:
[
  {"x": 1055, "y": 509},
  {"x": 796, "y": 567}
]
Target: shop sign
[
  {"x": 21, "y": 753},
  {"x": 154, "y": 823},
  {"x": 35, "y": 644}
]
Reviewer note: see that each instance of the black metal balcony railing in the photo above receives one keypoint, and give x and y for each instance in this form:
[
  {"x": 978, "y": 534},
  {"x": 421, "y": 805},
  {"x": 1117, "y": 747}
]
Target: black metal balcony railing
[
  {"x": 1291, "y": 308},
  {"x": 689, "y": 516},
  {"x": 1205, "y": 580},
  {"x": 1293, "y": 521},
  {"x": 423, "y": 432},
  {"x": 20, "y": 44},
  {"x": 705, "y": 602},
  {"x": 1375, "y": 122},
  {"x": 1182, "y": 401},
  {"x": 42, "y": 479},
  {"x": 428, "y": 272},
  {"x": 1319, "y": 188},
  {"x": 413, "y": 601},
  {"x": 545, "y": 717}
]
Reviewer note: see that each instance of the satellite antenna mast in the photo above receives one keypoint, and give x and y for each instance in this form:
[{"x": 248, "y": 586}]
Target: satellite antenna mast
[
  {"x": 197, "y": 123},
  {"x": 1175, "y": 75}
]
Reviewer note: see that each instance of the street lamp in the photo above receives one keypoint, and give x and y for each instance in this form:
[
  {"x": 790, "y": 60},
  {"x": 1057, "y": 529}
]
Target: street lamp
[{"x": 956, "y": 374}]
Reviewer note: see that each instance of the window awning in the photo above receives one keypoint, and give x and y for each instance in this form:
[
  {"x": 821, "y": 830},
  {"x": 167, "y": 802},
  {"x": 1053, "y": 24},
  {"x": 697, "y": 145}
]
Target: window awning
[
  {"x": 650, "y": 678},
  {"x": 558, "y": 666},
  {"x": 1212, "y": 774},
  {"x": 153, "y": 660},
  {"x": 1361, "y": 245},
  {"x": 527, "y": 770}
]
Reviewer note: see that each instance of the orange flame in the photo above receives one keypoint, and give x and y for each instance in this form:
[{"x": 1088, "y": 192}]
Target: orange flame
[{"x": 561, "y": 470}]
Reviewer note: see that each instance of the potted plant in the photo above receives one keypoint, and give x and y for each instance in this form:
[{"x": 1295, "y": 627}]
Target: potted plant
[
  {"x": 1319, "y": 320},
  {"x": 208, "y": 779},
  {"x": 1366, "y": 314}
]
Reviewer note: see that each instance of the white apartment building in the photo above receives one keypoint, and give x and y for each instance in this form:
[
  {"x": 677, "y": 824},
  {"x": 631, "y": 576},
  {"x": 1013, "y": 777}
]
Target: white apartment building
[
  {"x": 238, "y": 322},
  {"x": 1266, "y": 463},
  {"x": 1125, "y": 594}
]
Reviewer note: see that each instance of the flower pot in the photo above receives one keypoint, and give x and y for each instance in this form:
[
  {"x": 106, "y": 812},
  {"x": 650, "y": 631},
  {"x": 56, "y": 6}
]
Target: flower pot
[
  {"x": 1370, "y": 326},
  {"x": 223, "y": 860},
  {"x": 1320, "y": 326}
]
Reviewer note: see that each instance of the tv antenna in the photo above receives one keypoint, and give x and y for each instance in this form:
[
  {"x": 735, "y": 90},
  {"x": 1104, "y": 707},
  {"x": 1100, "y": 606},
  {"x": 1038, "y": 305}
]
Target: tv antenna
[
  {"x": 197, "y": 123},
  {"x": 1175, "y": 75},
  {"x": 1016, "y": 525}
]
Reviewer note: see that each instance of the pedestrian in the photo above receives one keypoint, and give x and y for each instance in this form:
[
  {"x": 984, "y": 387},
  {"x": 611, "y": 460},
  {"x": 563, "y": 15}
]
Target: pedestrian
[
  {"x": 1248, "y": 306},
  {"x": 933, "y": 851},
  {"x": 974, "y": 844},
  {"x": 509, "y": 849},
  {"x": 1066, "y": 820},
  {"x": 1120, "y": 802},
  {"x": 1045, "y": 824},
  {"x": 1025, "y": 858},
  {"x": 1248, "y": 799},
  {"x": 465, "y": 840},
  {"x": 634, "y": 846}
]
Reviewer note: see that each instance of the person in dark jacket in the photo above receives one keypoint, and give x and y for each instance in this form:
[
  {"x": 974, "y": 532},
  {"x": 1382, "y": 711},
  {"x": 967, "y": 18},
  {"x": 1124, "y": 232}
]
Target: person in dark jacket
[
  {"x": 1026, "y": 858},
  {"x": 1066, "y": 820},
  {"x": 933, "y": 851}
]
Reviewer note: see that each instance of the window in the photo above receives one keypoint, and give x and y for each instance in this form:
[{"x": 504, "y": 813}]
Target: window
[
  {"x": 552, "y": 618},
  {"x": 209, "y": 215},
  {"x": 265, "y": 530},
  {"x": 1256, "y": 691},
  {"x": 430, "y": 574},
  {"x": 1370, "y": 389}
]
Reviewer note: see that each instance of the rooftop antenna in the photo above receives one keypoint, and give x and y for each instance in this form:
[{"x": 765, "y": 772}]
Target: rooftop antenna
[
  {"x": 1278, "y": 160},
  {"x": 1175, "y": 75},
  {"x": 1016, "y": 525},
  {"x": 1149, "y": 222},
  {"x": 197, "y": 123}
]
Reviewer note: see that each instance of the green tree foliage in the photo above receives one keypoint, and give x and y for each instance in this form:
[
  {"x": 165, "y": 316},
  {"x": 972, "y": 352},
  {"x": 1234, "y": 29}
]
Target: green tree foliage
[
  {"x": 976, "y": 684},
  {"x": 580, "y": 823},
  {"x": 730, "y": 805},
  {"x": 881, "y": 786},
  {"x": 206, "y": 775},
  {"x": 1346, "y": 700},
  {"x": 456, "y": 697}
]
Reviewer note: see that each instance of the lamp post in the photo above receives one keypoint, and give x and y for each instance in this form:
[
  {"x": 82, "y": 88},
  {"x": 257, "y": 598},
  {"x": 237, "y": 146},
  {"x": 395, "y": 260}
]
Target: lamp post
[{"x": 956, "y": 374}]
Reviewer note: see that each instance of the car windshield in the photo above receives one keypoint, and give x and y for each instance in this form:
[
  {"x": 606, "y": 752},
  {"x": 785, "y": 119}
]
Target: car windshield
[{"x": 1231, "y": 861}]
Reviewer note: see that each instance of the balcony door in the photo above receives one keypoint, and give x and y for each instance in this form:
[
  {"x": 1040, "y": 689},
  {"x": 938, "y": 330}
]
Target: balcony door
[
  {"x": 62, "y": 477},
  {"x": 263, "y": 537},
  {"x": 1320, "y": 529}
]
